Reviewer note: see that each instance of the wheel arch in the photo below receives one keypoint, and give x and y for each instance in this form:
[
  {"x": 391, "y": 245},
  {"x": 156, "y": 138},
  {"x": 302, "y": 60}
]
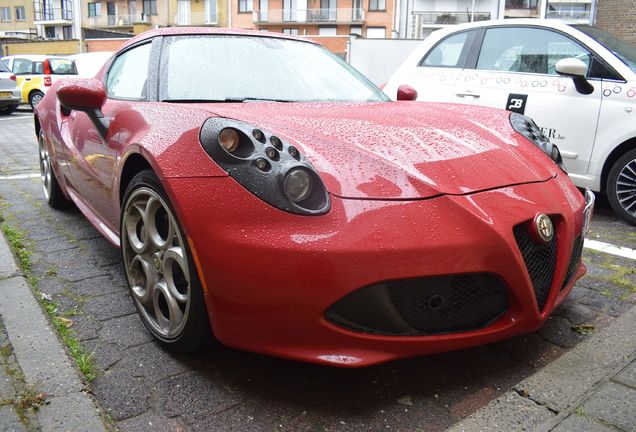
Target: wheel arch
[
  {"x": 615, "y": 155},
  {"x": 134, "y": 164}
]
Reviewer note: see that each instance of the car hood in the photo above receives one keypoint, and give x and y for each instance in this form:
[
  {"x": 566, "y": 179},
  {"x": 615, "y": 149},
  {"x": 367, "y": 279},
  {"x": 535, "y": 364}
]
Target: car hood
[{"x": 402, "y": 150}]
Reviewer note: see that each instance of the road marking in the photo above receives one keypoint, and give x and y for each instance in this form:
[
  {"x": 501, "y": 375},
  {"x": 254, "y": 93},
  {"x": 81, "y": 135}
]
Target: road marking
[
  {"x": 16, "y": 117},
  {"x": 19, "y": 176},
  {"x": 610, "y": 249}
]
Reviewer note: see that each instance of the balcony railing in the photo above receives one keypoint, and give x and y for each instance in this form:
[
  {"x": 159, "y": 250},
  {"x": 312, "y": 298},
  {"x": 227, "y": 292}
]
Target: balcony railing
[
  {"x": 195, "y": 19},
  {"x": 570, "y": 15},
  {"x": 332, "y": 15},
  {"x": 51, "y": 14},
  {"x": 117, "y": 20},
  {"x": 446, "y": 17}
]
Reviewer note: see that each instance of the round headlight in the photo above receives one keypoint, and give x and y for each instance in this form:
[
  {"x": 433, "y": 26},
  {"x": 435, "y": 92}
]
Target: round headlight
[
  {"x": 229, "y": 139},
  {"x": 298, "y": 184}
]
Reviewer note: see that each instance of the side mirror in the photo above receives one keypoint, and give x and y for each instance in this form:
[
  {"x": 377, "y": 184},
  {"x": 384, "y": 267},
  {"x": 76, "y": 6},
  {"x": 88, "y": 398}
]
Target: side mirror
[
  {"x": 406, "y": 93},
  {"x": 87, "y": 95},
  {"x": 575, "y": 69}
]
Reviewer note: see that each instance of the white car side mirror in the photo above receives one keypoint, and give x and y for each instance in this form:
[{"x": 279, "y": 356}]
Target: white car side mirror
[
  {"x": 571, "y": 67},
  {"x": 576, "y": 69}
]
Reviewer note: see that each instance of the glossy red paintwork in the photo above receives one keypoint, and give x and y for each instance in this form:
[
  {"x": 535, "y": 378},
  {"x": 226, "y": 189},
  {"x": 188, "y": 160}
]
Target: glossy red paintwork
[{"x": 416, "y": 189}]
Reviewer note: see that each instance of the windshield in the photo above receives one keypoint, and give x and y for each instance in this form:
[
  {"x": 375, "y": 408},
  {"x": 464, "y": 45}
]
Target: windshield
[
  {"x": 253, "y": 68},
  {"x": 623, "y": 50}
]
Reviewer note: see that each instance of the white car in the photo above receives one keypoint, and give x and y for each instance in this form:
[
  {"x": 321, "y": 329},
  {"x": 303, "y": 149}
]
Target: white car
[{"x": 577, "y": 82}]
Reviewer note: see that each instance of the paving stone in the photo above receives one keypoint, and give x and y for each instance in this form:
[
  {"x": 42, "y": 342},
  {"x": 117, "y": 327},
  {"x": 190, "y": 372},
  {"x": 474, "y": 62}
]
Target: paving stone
[
  {"x": 86, "y": 328},
  {"x": 581, "y": 423},
  {"x": 125, "y": 331},
  {"x": 45, "y": 234},
  {"x": 193, "y": 397},
  {"x": 151, "y": 422},
  {"x": 96, "y": 286},
  {"x": 559, "y": 331},
  {"x": 628, "y": 375},
  {"x": 575, "y": 313},
  {"x": 614, "y": 404},
  {"x": 598, "y": 271},
  {"x": 109, "y": 306},
  {"x": 51, "y": 285},
  {"x": 110, "y": 389},
  {"x": 54, "y": 245},
  {"x": 106, "y": 354},
  {"x": 78, "y": 271},
  {"x": 153, "y": 362},
  {"x": 65, "y": 257}
]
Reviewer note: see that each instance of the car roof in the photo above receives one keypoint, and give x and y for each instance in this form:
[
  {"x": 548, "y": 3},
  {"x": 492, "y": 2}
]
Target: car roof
[{"x": 179, "y": 31}]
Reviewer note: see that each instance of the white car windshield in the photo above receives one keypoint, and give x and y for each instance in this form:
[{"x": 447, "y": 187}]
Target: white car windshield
[
  {"x": 620, "y": 48},
  {"x": 253, "y": 68}
]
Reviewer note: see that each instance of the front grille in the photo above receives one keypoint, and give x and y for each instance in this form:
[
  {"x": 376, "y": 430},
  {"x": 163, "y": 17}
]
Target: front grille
[
  {"x": 540, "y": 260},
  {"x": 575, "y": 260},
  {"x": 423, "y": 306},
  {"x": 450, "y": 304}
]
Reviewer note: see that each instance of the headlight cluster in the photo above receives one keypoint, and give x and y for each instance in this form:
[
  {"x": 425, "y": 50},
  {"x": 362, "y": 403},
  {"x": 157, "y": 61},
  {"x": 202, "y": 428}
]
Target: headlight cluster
[
  {"x": 266, "y": 165},
  {"x": 529, "y": 129}
]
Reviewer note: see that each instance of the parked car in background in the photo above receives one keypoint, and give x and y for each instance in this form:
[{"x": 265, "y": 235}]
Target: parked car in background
[
  {"x": 9, "y": 91},
  {"x": 577, "y": 82},
  {"x": 36, "y": 73},
  {"x": 260, "y": 187},
  {"x": 88, "y": 64}
]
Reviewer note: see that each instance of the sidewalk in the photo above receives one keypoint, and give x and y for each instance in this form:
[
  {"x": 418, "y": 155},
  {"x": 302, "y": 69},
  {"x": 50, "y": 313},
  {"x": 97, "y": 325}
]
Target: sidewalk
[
  {"x": 591, "y": 388},
  {"x": 34, "y": 361}
]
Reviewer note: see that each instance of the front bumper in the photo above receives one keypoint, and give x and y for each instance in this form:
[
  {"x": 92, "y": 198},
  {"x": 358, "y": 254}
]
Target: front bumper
[{"x": 270, "y": 277}]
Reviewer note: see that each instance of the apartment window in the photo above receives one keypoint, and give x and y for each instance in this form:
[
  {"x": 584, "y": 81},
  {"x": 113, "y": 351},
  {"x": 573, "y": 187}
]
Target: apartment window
[
  {"x": 20, "y": 13},
  {"x": 376, "y": 32},
  {"x": 67, "y": 31},
  {"x": 377, "y": 5},
  {"x": 6, "y": 14},
  {"x": 356, "y": 30},
  {"x": 94, "y": 9},
  {"x": 521, "y": 4},
  {"x": 49, "y": 32},
  {"x": 290, "y": 31},
  {"x": 245, "y": 6},
  {"x": 327, "y": 31},
  {"x": 150, "y": 7}
]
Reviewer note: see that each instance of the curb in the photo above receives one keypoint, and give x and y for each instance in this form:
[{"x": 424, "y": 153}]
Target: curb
[
  {"x": 547, "y": 398},
  {"x": 44, "y": 361}
]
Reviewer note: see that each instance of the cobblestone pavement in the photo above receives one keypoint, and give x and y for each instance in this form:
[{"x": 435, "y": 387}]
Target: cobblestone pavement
[{"x": 145, "y": 388}]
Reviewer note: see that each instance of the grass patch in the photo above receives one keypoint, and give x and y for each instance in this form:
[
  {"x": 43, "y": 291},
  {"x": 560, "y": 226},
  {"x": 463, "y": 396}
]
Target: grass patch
[
  {"x": 16, "y": 240},
  {"x": 85, "y": 359},
  {"x": 28, "y": 399}
]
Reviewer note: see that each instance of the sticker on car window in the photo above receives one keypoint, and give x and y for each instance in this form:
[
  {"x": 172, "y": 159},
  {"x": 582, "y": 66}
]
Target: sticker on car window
[{"x": 517, "y": 102}]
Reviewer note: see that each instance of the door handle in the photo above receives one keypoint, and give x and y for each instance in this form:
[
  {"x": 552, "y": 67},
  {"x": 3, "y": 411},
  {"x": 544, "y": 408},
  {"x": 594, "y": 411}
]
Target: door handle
[{"x": 468, "y": 93}]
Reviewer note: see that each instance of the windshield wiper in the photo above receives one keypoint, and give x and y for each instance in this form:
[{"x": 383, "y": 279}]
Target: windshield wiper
[{"x": 249, "y": 99}]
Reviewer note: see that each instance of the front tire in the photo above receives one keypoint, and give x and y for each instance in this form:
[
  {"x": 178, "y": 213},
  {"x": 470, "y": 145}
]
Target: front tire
[
  {"x": 50, "y": 186},
  {"x": 621, "y": 187},
  {"x": 35, "y": 98},
  {"x": 161, "y": 275}
]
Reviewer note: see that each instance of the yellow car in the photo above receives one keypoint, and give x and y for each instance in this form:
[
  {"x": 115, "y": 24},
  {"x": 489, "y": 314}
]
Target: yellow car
[{"x": 36, "y": 73}]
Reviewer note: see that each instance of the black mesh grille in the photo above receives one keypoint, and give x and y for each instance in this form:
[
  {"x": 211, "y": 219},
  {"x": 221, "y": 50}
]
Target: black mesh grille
[
  {"x": 575, "y": 259},
  {"x": 540, "y": 260},
  {"x": 423, "y": 306},
  {"x": 449, "y": 304}
]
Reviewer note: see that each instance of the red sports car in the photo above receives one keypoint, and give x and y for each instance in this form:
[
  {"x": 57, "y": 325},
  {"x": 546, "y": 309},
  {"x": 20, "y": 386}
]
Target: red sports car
[{"x": 265, "y": 194}]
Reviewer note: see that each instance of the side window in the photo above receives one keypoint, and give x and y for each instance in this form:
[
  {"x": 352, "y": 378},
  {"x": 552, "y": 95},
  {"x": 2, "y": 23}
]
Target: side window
[
  {"x": 450, "y": 52},
  {"x": 528, "y": 50},
  {"x": 22, "y": 67},
  {"x": 128, "y": 73}
]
